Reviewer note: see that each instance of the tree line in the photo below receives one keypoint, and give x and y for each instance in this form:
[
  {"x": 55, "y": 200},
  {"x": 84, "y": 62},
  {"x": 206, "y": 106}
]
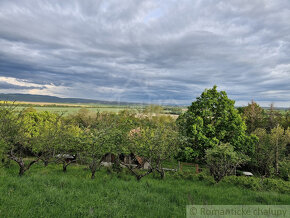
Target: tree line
[
  {"x": 212, "y": 132},
  {"x": 86, "y": 136}
]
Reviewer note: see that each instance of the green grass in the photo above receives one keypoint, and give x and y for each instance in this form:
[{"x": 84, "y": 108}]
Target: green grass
[{"x": 48, "y": 192}]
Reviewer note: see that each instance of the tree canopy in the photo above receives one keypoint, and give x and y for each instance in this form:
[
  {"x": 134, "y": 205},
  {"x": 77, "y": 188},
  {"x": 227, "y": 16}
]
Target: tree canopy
[{"x": 210, "y": 120}]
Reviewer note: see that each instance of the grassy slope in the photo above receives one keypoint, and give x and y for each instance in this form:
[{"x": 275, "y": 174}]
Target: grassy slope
[{"x": 48, "y": 192}]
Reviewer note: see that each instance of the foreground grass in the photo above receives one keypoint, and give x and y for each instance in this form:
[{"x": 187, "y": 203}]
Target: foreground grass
[{"x": 48, "y": 192}]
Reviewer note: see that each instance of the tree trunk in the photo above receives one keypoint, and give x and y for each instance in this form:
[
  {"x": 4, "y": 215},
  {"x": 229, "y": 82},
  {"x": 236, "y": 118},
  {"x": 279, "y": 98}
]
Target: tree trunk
[
  {"x": 21, "y": 164},
  {"x": 93, "y": 168},
  {"x": 277, "y": 158},
  {"x": 93, "y": 174},
  {"x": 64, "y": 166},
  {"x": 21, "y": 169},
  {"x": 161, "y": 172},
  {"x": 45, "y": 163}
]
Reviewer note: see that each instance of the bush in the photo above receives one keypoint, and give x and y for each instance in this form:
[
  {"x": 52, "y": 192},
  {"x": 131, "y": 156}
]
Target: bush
[
  {"x": 222, "y": 161},
  {"x": 203, "y": 176},
  {"x": 284, "y": 170},
  {"x": 246, "y": 182},
  {"x": 276, "y": 185},
  {"x": 258, "y": 184}
]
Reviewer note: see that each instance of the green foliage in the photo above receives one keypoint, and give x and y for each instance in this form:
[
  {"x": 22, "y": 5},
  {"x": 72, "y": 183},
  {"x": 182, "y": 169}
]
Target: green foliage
[
  {"x": 263, "y": 158},
  {"x": 274, "y": 118},
  {"x": 271, "y": 151},
  {"x": 100, "y": 140},
  {"x": 284, "y": 170},
  {"x": 222, "y": 161},
  {"x": 205, "y": 177},
  {"x": 211, "y": 120},
  {"x": 258, "y": 184},
  {"x": 254, "y": 116},
  {"x": 153, "y": 109},
  {"x": 154, "y": 144},
  {"x": 41, "y": 130},
  {"x": 10, "y": 127}
]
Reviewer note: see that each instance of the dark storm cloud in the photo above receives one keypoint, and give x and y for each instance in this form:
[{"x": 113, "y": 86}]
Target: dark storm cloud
[{"x": 146, "y": 51}]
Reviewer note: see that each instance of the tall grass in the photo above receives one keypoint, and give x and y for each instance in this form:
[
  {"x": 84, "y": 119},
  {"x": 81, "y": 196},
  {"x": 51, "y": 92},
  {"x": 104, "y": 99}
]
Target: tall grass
[{"x": 48, "y": 192}]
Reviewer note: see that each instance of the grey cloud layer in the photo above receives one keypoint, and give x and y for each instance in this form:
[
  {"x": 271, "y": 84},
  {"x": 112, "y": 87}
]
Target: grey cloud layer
[{"x": 148, "y": 51}]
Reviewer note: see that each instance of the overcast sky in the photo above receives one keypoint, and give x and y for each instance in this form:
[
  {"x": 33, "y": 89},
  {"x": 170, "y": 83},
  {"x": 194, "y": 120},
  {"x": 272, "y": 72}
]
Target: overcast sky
[{"x": 147, "y": 51}]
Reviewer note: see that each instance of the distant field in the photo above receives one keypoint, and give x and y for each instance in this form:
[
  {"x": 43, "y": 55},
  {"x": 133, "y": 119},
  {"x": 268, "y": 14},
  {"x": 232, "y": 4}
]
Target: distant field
[{"x": 70, "y": 110}]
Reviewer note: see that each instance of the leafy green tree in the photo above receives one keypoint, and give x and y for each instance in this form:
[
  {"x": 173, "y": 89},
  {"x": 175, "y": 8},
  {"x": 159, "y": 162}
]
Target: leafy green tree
[
  {"x": 210, "y": 120},
  {"x": 13, "y": 136},
  {"x": 270, "y": 151},
  {"x": 42, "y": 130},
  {"x": 154, "y": 145},
  {"x": 107, "y": 135},
  {"x": 274, "y": 118},
  {"x": 279, "y": 139},
  {"x": 254, "y": 116},
  {"x": 263, "y": 158},
  {"x": 70, "y": 145},
  {"x": 285, "y": 123},
  {"x": 222, "y": 161}
]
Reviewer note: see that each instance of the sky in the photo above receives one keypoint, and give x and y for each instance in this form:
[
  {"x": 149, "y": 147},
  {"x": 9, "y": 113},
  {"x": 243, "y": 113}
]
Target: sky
[{"x": 153, "y": 51}]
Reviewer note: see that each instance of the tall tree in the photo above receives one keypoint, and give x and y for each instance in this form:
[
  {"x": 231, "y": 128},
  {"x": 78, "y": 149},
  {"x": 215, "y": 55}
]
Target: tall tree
[
  {"x": 279, "y": 140},
  {"x": 210, "y": 120},
  {"x": 270, "y": 151},
  {"x": 274, "y": 118},
  {"x": 254, "y": 116}
]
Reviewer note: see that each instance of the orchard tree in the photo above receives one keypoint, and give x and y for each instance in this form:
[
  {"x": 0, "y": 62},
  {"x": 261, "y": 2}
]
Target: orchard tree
[
  {"x": 211, "y": 120},
  {"x": 154, "y": 145},
  {"x": 69, "y": 146},
  {"x": 42, "y": 133},
  {"x": 14, "y": 141},
  {"x": 105, "y": 136}
]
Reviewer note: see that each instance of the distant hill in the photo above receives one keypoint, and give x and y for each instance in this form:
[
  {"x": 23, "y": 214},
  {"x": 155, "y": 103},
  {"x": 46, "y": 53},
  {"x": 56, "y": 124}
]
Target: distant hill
[{"x": 53, "y": 99}]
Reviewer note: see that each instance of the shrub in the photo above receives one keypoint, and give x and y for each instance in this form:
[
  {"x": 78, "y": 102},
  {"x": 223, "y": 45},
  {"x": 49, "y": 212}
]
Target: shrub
[
  {"x": 246, "y": 182},
  {"x": 203, "y": 176},
  {"x": 284, "y": 170},
  {"x": 258, "y": 184},
  {"x": 222, "y": 161}
]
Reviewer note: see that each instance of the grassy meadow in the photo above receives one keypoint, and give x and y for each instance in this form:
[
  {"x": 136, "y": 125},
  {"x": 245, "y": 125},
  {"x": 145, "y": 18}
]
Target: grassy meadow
[{"x": 48, "y": 192}]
